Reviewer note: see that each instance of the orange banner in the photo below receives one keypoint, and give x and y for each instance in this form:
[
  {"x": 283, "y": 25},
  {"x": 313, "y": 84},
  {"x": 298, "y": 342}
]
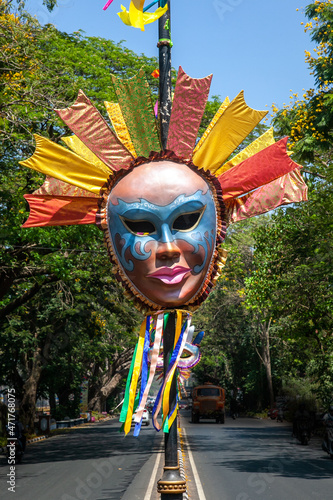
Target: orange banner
[{"x": 60, "y": 211}]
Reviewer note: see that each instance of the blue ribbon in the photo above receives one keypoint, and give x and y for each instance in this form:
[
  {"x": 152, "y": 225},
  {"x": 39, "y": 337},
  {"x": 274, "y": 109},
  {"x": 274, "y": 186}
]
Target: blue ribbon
[{"x": 144, "y": 372}]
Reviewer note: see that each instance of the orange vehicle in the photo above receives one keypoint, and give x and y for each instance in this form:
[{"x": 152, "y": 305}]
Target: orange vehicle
[{"x": 208, "y": 402}]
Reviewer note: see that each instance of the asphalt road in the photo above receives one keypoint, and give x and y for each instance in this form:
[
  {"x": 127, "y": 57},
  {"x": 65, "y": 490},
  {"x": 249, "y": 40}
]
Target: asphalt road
[
  {"x": 88, "y": 463},
  {"x": 245, "y": 459},
  {"x": 248, "y": 459}
]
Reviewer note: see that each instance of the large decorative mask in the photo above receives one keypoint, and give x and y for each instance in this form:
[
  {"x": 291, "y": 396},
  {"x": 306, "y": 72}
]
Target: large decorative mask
[{"x": 163, "y": 223}]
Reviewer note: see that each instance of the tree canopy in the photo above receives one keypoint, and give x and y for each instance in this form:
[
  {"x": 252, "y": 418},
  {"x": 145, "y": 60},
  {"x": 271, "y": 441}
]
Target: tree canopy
[
  {"x": 63, "y": 317},
  {"x": 271, "y": 315},
  {"x": 61, "y": 310}
]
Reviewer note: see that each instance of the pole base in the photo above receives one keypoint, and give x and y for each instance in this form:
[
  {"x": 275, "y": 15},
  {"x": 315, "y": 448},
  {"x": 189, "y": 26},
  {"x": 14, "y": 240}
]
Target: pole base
[{"x": 171, "y": 482}]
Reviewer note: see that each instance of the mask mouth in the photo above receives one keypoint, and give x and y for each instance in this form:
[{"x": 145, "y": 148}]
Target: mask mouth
[{"x": 170, "y": 275}]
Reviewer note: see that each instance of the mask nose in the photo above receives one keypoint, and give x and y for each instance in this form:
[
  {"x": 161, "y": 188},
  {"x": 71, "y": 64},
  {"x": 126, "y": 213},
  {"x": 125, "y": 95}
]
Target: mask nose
[{"x": 167, "y": 248}]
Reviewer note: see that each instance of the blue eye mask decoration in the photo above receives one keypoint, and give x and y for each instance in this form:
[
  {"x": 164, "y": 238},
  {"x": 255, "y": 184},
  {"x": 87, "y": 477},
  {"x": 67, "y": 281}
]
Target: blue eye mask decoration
[{"x": 188, "y": 218}]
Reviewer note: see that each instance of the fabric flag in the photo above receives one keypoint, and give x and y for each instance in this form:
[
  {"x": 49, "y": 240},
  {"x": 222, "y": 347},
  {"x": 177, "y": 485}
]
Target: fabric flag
[
  {"x": 51, "y": 159},
  {"x": 237, "y": 121},
  {"x": 60, "y": 211},
  {"x": 135, "y": 16},
  {"x": 256, "y": 171},
  {"x": 289, "y": 188},
  {"x": 188, "y": 106},
  {"x": 90, "y": 127},
  {"x": 135, "y": 100}
]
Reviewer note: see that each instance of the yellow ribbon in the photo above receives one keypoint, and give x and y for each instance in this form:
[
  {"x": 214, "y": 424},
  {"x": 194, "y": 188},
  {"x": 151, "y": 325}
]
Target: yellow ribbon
[{"x": 135, "y": 377}]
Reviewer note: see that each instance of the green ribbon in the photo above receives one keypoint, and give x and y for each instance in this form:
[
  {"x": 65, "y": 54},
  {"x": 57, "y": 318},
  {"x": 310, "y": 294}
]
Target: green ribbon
[{"x": 124, "y": 408}]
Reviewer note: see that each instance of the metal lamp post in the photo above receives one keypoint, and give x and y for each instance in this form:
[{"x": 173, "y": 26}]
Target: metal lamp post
[
  {"x": 164, "y": 46},
  {"x": 171, "y": 485}
]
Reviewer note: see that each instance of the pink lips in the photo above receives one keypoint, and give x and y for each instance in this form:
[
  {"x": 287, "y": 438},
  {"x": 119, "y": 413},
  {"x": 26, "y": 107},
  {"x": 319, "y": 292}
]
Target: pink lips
[{"x": 170, "y": 275}]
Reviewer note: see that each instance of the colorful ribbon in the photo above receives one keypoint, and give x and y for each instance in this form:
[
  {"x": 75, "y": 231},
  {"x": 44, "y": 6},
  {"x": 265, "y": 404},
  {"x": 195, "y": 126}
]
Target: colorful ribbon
[
  {"x": 132, "y": 381},
  {"x": 164, "y": 392},
  {"x": 107, "y": 4},
  {"x": 153, "y": 363},
  {"x": 151, "y": 331}
]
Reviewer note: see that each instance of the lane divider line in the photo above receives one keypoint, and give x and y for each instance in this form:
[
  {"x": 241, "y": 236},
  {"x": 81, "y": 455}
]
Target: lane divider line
[
  {"x": 194, "y": 469},
  {"x": 152, "y": 481}
]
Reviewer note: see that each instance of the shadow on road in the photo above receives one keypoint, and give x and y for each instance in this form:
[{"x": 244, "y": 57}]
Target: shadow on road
[
  {"x": 90, "y": 443},
  {"x": 276, "y": 451}
]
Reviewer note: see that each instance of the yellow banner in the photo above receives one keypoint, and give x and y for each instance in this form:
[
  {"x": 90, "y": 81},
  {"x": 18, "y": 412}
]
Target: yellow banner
[
  {"x": 237, "y": 121},
  {"x": 219, "y": 113},
  {"x": 58, "y": 162}
]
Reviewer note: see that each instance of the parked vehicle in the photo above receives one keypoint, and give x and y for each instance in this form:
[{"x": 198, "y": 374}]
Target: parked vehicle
[
  {"x": 208, "y": 402},
  {"x": 145, "y": 417},
  {"x": 276, "y": 413}
]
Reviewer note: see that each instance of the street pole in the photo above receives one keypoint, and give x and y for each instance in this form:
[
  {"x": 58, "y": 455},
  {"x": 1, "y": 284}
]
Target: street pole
[
  {"x": 164, "y": 46},
  {"x": 171, "y": 486}
]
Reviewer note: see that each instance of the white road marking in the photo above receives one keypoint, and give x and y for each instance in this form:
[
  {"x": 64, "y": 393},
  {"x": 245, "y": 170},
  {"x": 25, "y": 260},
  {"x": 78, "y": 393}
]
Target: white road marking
[
  {"x": 152, "y": 481},
  {"x": 194, "y": 469}
]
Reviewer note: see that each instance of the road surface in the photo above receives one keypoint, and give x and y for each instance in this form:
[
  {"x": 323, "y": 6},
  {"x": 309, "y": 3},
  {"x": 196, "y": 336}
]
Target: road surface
[
  {"x": 88, "y": 463},
  {"x": 249, "y": 459},
  {"x": 244, "y": 459}
]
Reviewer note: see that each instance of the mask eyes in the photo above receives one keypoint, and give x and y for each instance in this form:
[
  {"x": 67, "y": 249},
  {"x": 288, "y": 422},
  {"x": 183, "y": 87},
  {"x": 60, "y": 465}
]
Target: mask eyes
[
  {"x": 139, "y": 227},
  {"x": 187, "y": 222}
]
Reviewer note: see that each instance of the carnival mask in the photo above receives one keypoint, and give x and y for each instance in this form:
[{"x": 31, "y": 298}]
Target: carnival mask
[{"x": 162, "y": 222}]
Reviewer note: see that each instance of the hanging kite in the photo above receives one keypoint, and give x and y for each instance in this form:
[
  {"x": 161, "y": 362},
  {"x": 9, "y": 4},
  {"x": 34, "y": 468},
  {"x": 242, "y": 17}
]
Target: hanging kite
[
  {"x": 164, "y": 214},
  {"x": 137, "y": 15}
]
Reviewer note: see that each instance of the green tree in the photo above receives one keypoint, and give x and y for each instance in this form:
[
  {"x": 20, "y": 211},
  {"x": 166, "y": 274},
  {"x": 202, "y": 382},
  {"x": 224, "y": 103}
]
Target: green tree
[
  {"x": 308, "y": 120},
  {"x": 294, "y": 255},
  {"x": 46, "y": 323},
  {"x": 232, "y": 349},
  {"x": 293, "y": 274}
]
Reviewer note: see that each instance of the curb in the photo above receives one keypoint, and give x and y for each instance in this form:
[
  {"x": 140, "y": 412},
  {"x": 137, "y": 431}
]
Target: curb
[
  {"x": 42, "y": 438},
  {"x": 39, "y": 438}
]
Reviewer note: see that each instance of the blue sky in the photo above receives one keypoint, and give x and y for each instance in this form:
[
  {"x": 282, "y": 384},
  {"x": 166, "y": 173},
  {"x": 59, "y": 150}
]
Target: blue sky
[{"x": 254, "y": 45}]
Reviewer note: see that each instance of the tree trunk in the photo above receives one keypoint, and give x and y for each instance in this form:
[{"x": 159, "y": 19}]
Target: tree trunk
[
  {"x": 109, "y": 380},
  {"x": 266, "y": 356},
  {"x": 29, "y": 390},
  {"x": 28, "y": 403},
  {"x": 97, "y": 403}
]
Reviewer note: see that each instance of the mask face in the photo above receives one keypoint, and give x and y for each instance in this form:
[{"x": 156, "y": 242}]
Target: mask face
[{"x": 162, "y": 223}]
